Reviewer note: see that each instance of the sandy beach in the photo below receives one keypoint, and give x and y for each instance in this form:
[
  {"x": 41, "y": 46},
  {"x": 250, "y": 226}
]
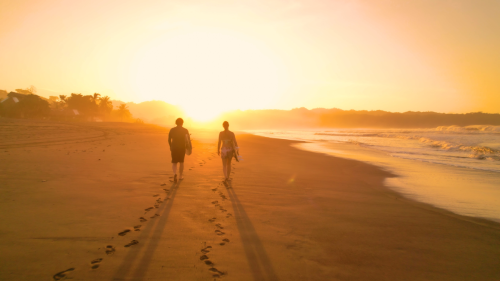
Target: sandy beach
[{"x": 96, "y": 201}]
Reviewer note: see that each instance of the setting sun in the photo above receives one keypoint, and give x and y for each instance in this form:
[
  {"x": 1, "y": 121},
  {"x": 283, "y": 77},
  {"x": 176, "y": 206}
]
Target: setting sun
[{"x": 207, "y": 72}]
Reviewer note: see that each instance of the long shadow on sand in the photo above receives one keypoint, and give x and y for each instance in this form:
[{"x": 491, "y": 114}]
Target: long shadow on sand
[
  {"x": 257, "y": 258},
  {"x": 139, "y": 257}
]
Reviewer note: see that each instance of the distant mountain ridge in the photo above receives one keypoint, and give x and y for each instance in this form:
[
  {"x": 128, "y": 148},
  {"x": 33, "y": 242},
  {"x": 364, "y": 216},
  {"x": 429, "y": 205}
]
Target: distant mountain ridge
[
  {"x": 337, "y": 118},
  {"x": 154, "y": 112},
  {"x": 164, "y": 114}
]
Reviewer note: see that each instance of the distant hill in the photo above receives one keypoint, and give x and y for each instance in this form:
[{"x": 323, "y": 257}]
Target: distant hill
[
  {"x": 274, "y": 118},
  {"x": 154, "y": 112},
  {"x": 337, "y": 118}
]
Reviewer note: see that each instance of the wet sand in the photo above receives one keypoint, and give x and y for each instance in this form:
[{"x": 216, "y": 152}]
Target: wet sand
[{"x": 95, "y": 201}]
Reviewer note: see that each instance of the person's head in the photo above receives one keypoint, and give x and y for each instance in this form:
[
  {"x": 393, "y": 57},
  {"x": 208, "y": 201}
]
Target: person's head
[
  {"x": 225, "y": 125},
  {"x": 179, "y": 122}
]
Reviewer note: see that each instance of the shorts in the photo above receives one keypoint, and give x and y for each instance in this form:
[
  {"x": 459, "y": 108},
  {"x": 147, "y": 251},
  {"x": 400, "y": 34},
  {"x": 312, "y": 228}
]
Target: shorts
[
  {"x": 178, "y": 155},
  {"x": 226, "y": 152}
]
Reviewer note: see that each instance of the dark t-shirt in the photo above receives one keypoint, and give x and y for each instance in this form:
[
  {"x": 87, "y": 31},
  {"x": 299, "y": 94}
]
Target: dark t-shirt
[{"x": 177, "y": 138}]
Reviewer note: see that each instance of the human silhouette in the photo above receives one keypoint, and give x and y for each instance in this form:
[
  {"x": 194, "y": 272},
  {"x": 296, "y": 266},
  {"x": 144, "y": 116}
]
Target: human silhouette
[
  {"x": 178, "y": 138},
  {"x": 228, "y": 149}
]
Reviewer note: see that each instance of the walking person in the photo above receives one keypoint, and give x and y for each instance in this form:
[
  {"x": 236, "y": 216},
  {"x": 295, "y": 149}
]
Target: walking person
[
  {"x": 178, "y": 139},
  {"x": 228, "y": 149}
]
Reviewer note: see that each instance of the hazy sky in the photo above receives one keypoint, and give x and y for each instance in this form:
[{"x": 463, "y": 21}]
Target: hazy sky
[{"x": 210, "y": 56}]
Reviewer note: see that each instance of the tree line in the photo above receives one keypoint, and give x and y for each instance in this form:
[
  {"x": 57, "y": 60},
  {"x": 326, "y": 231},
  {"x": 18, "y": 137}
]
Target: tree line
[{"x": 24, "y": 103}]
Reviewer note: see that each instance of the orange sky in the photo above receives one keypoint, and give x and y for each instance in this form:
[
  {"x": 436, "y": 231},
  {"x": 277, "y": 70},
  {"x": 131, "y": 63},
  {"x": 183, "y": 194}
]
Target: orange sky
[{"x": 211, "y": 56}]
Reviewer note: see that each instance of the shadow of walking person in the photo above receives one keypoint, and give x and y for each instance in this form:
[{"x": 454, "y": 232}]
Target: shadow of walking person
[
  {"x": 257, "y": 258},
  {"x": 139, "y": 257}
]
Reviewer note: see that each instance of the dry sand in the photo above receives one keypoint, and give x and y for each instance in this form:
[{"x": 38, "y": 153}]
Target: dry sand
[{"x": 68, "y": 190}]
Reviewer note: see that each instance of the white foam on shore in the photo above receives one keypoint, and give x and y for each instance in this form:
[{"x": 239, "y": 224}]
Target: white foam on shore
[{"x": 460, "y": 180}]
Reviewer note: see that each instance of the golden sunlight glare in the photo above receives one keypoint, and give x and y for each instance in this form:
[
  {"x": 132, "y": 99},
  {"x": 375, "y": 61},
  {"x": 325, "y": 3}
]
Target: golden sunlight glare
[{"x": 207, "y": 72}]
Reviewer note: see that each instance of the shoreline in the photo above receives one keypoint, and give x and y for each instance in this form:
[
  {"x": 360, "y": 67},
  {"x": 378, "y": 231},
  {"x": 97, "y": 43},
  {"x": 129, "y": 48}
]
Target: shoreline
[
  {"x": 483, "y": 221},
  {"x": 441, "y": 186},
  {"x": 288, "y": 214}
]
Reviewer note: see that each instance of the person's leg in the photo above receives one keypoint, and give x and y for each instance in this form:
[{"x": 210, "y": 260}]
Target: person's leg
[
  {"x": 174, "y": 169},
  {"x": 224, "y": 163},
  {"x": 228, "y": 165},
  {"x": 181, "y": 170}
]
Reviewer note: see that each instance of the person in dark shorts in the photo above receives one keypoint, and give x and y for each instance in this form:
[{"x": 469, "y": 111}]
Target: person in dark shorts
[{"x": 177, "y": 138}]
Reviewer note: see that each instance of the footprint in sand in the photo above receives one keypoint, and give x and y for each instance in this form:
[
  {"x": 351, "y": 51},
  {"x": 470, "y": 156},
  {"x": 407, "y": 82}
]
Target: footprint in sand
[
  {"x": 110, "y": 250},
  {"x": 163, "y": 184},
  {"x": 204, "y": 257},
  {"x": 205, "y": 250},
  {"x": 222, "y": 243},
  {"x": 156, "y": 195},
  {"x": 132, "y": 243},
  {"x": 215, "y": 202},
  {"x": 142, "y": 219},
  {"x": 95, "y": 263},
  {"x": 123, "y": 233},
  {"x": 225, "y": 240},
  {"x": 62, "y": 274},
  {"x": 156, "y": 215},
  {"x": 219, "y": 226},
  {"x": 218, "y": 232},
  {"x": 219, "y": 273},
  {"x": 137, "y": 228},
  {"x": 215, "y": 189},
  {"x": 148, "y": 209},
  {"x": 208, "y": 262}
]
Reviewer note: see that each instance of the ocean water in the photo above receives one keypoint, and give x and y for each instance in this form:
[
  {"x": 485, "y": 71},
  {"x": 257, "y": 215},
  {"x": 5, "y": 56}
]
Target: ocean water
[{"x": 454, "y": 168}]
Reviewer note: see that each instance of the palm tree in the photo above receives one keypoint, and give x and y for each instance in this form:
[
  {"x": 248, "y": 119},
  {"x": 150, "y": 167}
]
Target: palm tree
[
  {"x": 123, "y": 111},
  {"x": 95, "y": 98},
  {"x": 62, "y": 102},
  {"x": 105, "y": 106}
]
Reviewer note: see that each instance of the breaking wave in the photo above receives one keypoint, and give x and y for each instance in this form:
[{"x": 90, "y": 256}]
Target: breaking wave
[
  {"x": 469, "y": 129},
  {"x": 477, "y": 151},
  {"x": 476, "y": 146}
]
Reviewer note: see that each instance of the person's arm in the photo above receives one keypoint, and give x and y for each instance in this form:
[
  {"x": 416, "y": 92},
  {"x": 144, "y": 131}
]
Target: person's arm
[
  {"x": 235, "y": 143},
  {"x": 170, "y": 139},
  {"x": 218, "y": 145}
]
